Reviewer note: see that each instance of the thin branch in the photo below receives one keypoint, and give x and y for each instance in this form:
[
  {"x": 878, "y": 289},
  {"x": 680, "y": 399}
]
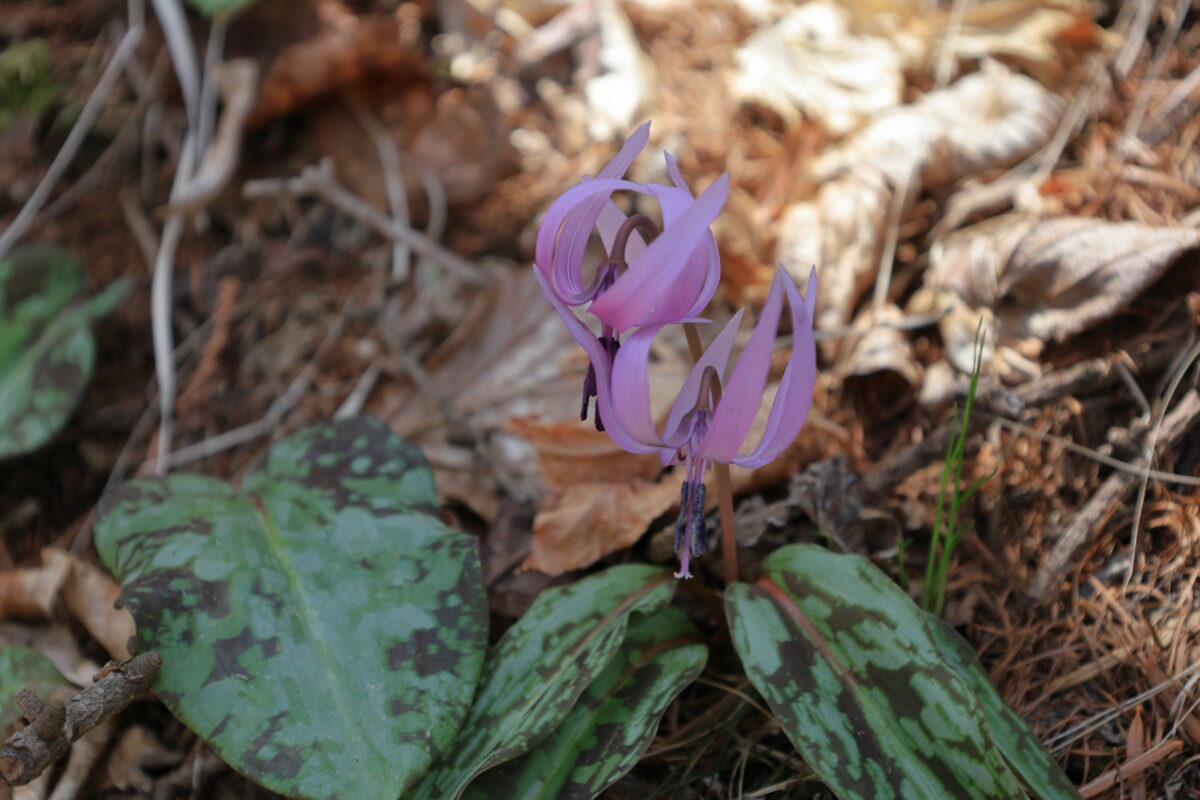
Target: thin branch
[
  {"x": 393, "y": 179},
  {"x": 54, "y": 726},
  {"x": 79, "y": 131},
  {"x": 160, "y": 309},
  {"x": 173, "y": 20},
  {"x": 319, "y": 181}
]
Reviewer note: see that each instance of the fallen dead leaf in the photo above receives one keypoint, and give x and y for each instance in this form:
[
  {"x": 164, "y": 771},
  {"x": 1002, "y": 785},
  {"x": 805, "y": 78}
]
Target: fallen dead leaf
[
  {"x": 881, "y": 368},
  {"x": 344, "y": 52},
  {"x": 55, "y": 642},
  {"x": 590, "y": 520},
  {"x": 1044, "y": 36},
  {"x": 31, "y": 593},
  {"x": 1049, "y": 279},
  {"x": 992, "y": 118},
  {"x": 817, "y": 62},
  {"x": 91, "y": 596},
  {"x": 570, "y": 453}
]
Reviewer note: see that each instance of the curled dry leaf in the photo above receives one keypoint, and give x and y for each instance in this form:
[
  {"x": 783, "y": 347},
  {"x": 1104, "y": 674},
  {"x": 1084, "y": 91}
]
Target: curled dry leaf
[
  {"x": 31, "y": 593},
  {"x": 91, "y": 595},
  {"x": 57, "y": 643},
  {"x": 992, "y": 118},
  {"x": 1044, "y": 36},
  {"x": 1049, "y": 279},
  {"x": 818, "y": 62},
  {"x": 881, "y": 367}
]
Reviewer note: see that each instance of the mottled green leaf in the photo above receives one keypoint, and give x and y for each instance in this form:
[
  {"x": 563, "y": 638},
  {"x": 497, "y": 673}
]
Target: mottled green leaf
[
  {"x": 848, "y": 664},
  {"x": 214, "y": 7},
  {"x": 538, "y": 669},
  {"x": 46, "y": 345},
  {"x": 1043, "y": 778},
  {"x": 614, "y": 721},
  {"x": 23, "y": 668},
  {"x": 319, "y": 628}
]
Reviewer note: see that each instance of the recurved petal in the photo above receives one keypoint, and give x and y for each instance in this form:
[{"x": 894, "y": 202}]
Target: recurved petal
[
  {"x": 743, "y": 389},
  {"x": 563, "y": 236},
  {"x": 631, "y": 387},
  {"x": 673, "y": 171},
  {"x": 715, "y": 356},
  {"x": 600, "y": 362},
  {"x": 651, "y": 291},
  {"x": 794, "y": 397}
]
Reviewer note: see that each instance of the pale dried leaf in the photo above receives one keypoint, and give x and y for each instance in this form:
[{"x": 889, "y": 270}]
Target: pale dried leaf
[
  {"x": 91, "y": 596},
  {"x": 1049, "y": 279},
  {"x": 627, "y": 78},
  {"x": 55, "y": 642},
  {"x": 881, "y": 367},
  {"x": 31, "y": 593},
  {"x": 814, "y": 62},
  {"x": 1034, "y": 31},
  {"x": 989, "y": 119}
]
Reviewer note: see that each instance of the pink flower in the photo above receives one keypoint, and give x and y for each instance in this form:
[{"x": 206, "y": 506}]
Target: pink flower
[
  {"x": 671, "y": 279},
  {"x": 714, "y": 410}
]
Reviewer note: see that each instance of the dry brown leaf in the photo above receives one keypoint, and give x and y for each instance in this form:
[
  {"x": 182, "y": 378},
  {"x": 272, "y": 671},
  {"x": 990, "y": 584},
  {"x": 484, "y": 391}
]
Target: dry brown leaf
[
  {"x": 570, "y": 453},
  {"x": 343, "y": 53},
  {"x": 591, "y": 520},
  {"x": 31, "y": 593},
  {"x": 1049, "y": 279},
  {"x": 989, "y": 119},
  {"x": 91, "y": 596}
]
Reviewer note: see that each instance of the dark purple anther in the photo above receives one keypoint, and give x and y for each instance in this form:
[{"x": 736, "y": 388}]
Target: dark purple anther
[
  {"x": 697, "y": 535},
  {"x": 681, "y": 520}
]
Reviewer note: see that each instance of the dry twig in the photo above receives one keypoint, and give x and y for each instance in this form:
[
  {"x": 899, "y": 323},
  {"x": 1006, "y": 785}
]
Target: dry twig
[
  {"x": 54, "y": 726},
  {"x": 319, "y": 181},
  {"x": 1113, "y": 490}
]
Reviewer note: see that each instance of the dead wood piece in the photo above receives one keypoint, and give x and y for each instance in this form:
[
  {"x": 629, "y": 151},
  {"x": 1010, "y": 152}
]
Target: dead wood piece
[
  {"x": 54, "y": 726},
  {"x": 1114, "y": 489}
]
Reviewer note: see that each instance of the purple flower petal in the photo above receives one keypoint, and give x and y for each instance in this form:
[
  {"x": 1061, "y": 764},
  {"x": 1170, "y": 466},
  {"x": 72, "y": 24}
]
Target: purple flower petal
[
  {"x": 563, "y": 236},
  {"x": 647, "y": 293},
  {"x": 600, "y": 362},
  {"x": 631, "y": 387},
  {"x": 715, "y": 356},
  {"x": 794, "y": 397},
  {"x": 742, "y": 390}
]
